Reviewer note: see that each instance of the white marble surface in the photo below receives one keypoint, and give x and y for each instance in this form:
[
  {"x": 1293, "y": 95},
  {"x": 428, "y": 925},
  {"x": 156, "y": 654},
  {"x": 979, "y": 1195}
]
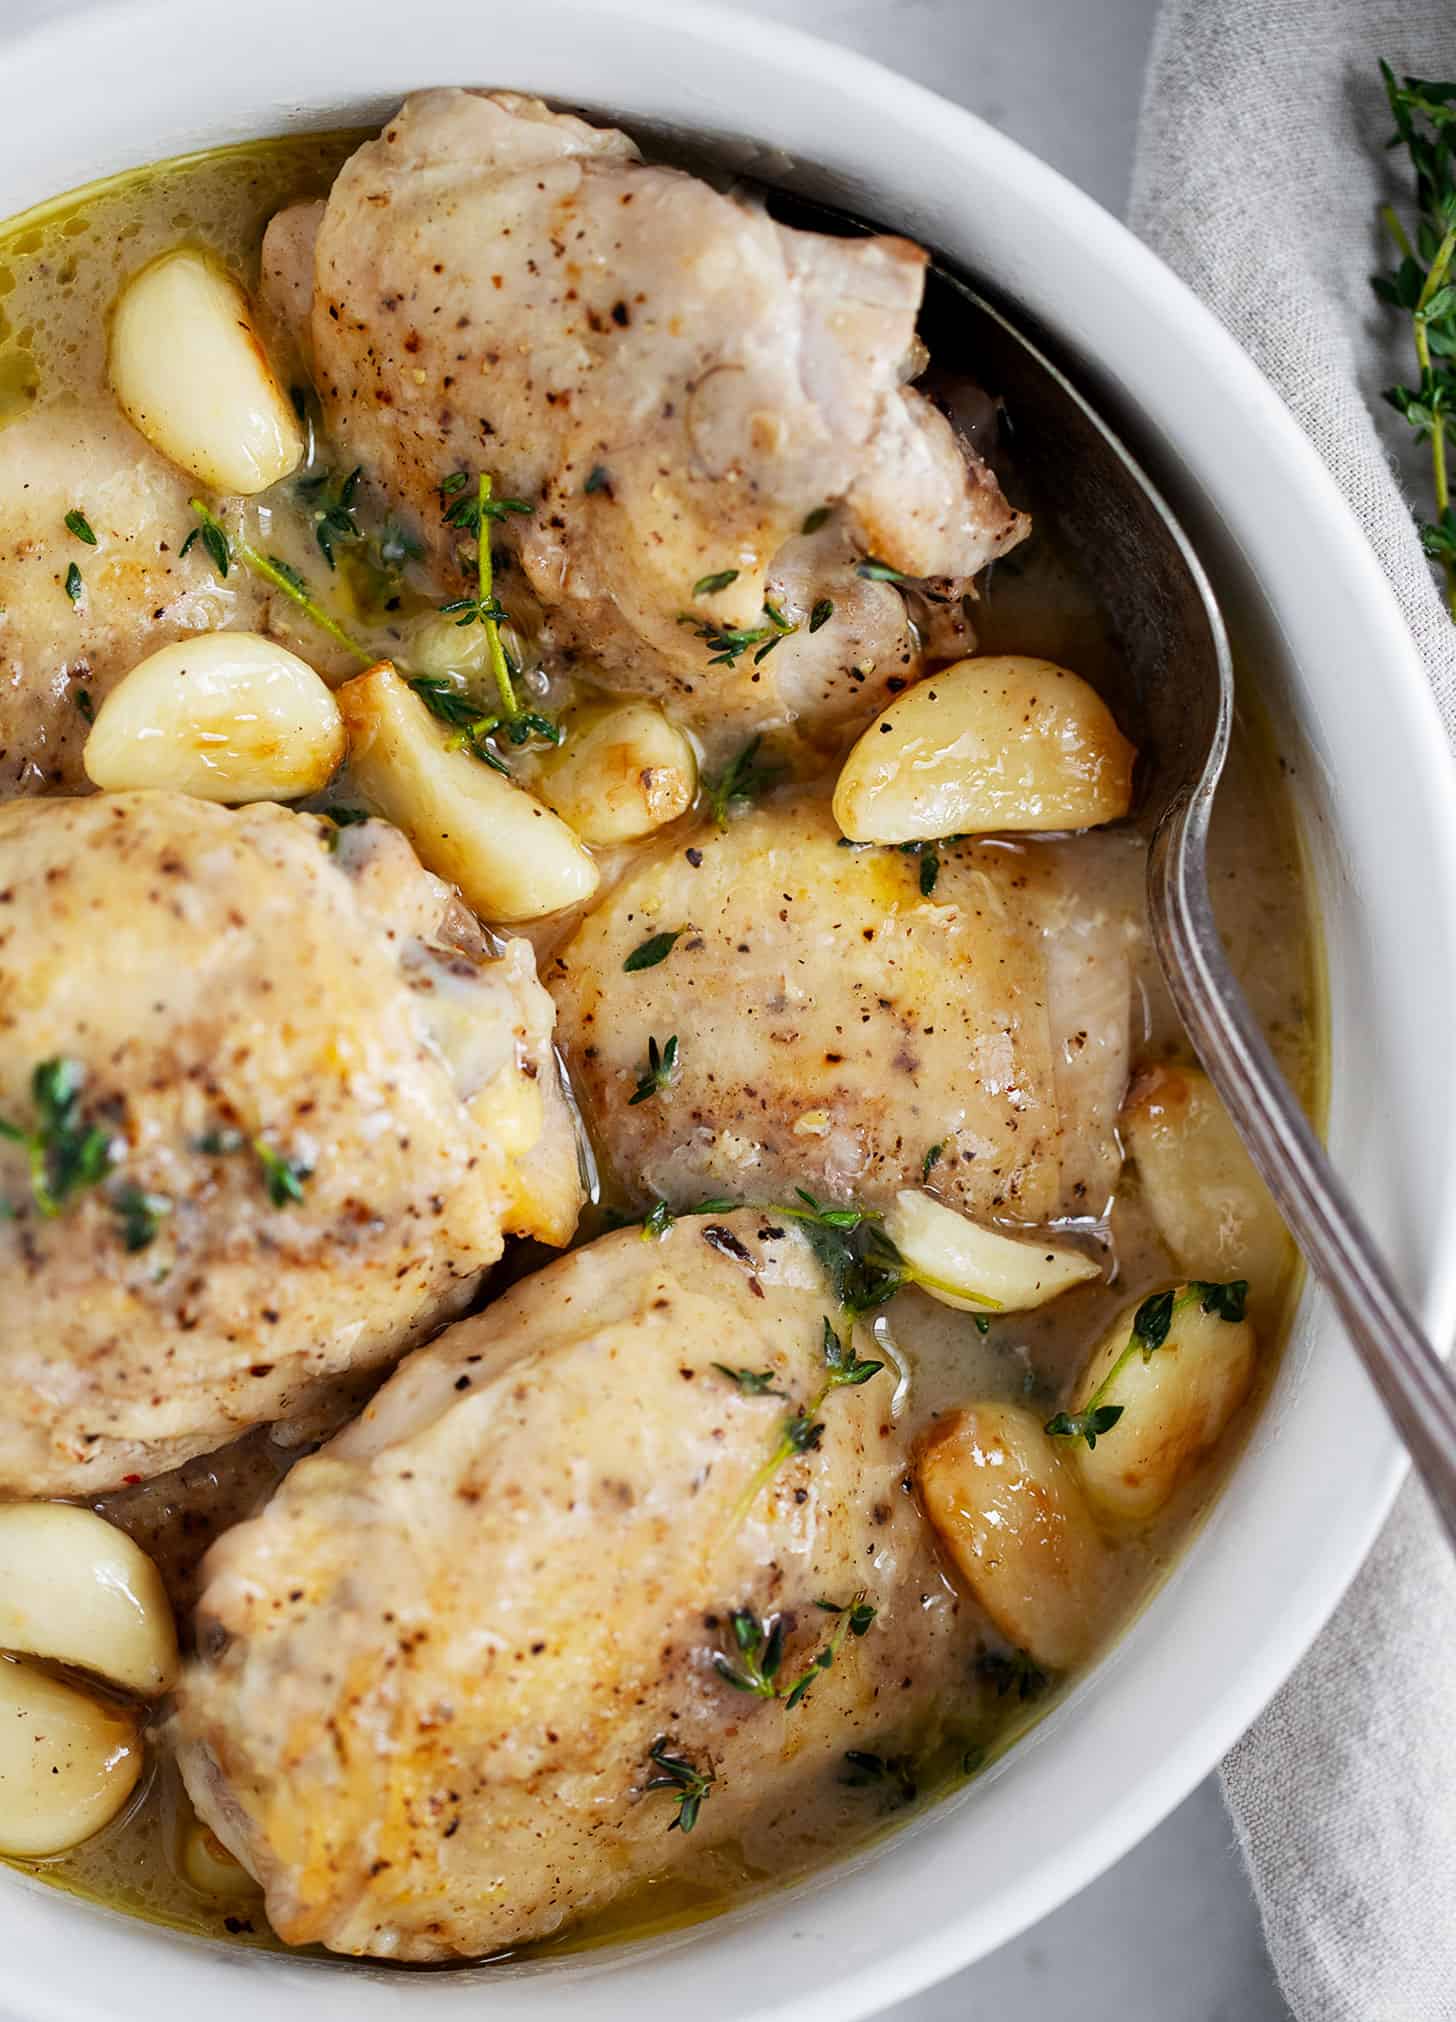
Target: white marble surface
[{"x": 1170, "y": 1934}]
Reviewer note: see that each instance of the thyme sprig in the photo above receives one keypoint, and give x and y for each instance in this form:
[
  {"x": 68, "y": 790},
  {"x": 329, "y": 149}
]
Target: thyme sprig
[
  {"x": 1088, "y": 1425},
  {"x": 1425, "y": 123},
  {"x": 752, "y": 1382},
  {"x": 1151, "y": 1325},
  {"x": 727, "y": 643},
  {"x": 65, "y": 1152},
  {"x": 270, "y": 569},
  {"x": 757, "y": 1656},
  {"x": 689, "y": 1784},
  {"x": 740, "y": 781},
  {"x": 855, "y": 1617},
  {"x": 802, "y": 1429},
  {"x": 332, "y": 510},
  {"x": 477, "y": 515},
  {"x": 862, "y": 1264},
  {"x": 283, "y": 1177},
  {"x": 660, "y": 1072},
  {"x": 659, "y": 1219}
]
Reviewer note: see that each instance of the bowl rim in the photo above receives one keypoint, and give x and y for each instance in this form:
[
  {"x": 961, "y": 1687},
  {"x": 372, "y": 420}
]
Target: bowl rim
[{"x": 111, "y": 31}]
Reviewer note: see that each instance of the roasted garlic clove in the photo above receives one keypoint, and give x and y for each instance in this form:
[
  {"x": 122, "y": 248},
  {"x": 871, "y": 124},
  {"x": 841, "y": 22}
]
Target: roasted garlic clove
[
  {"x": 76, "y": 1589},
  {"x": 1173, "y": 1399},
  {"x": 512, "y": 858},
  {"x": 189, "y": 371},
  {"x": 226, "y": 716},
  {"x": 986, "y": 745},
  {"x": 620, "y": 774},
  {"x": 1010, "y": 1514},
  {"x": 68, "y": 1764},
  {"x": 975, "y": 1269}
]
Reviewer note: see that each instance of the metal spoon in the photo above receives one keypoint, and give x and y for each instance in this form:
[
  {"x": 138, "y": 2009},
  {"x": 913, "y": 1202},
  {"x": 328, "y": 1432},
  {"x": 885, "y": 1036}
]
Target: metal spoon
[{"x": 1178, "y": 708}]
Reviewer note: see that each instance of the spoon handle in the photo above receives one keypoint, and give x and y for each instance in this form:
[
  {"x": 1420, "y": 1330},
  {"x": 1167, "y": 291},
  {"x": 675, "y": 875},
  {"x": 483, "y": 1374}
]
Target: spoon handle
[{"x": 1414, "y": 1383}]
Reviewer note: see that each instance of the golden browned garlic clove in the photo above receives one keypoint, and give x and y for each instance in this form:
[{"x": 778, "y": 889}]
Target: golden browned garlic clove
[
  {"x": 189, "y": 371},
  {"x": 77, "y": 1590},
  {"x": 225, "y": 716},
  {"x": 68, "y": 1764},
  {"x": 995, "y": 744},
  {"x": 512, "y": 858},
  {"x": 1211, "y": 1208},
  {"x": 1173, "y": 1404},
  {"x": 1009, "y": 1512},
  {"x": 976, "y": 1269},
  {"x": 620, "y": 774}
]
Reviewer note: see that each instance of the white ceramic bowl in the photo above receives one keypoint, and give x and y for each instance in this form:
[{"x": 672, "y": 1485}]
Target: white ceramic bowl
[{"x": 134, "y": 82}]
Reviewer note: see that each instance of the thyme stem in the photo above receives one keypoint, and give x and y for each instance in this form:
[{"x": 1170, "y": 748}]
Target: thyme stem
[
  {"x": 262, "y": 565},
  {"x": 485, "y": 572},
  {"x": 1435, "y": 280}
]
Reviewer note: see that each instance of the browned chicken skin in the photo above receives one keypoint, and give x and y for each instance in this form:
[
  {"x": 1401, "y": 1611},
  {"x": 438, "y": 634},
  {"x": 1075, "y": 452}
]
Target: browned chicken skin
[
  {"x": 432, "y": 1673},
  {"x": 226, "y": 981},
  {"x": 672, "y": 381},
  {"x": 835, "y": 1023}
]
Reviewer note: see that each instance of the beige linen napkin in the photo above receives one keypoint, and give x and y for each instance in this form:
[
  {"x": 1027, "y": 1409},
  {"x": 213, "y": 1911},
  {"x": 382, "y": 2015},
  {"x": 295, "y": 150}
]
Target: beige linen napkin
[{"x": 1260, "y": 169}]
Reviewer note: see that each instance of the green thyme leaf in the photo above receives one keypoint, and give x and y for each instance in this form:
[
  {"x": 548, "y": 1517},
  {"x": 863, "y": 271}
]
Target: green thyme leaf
[
  {"x": 742, "y": 780},
  {"x": 78, "y": 524},
  {"x": 139, "y": 1214},
  {"x": 824, "y": 1212},
  {"x": 73, "y": 583},
  {"x": 1151, "y": 1322},
  {"x": 333, "y": 511},
  {"x": 599, "y": 479},
  {"x": 844, "y": 1366},
  {"x": 655, "y": 949},
  {"x": 1013, "y": 1672},
  {"x": 876, "y": 571},
  {"x": 282, "y": 1177},
  {"x": 932, "y": 1159},
  {"x": 814, "y": 520},
  {"x": 822, "y": 612},
  {"x": 752, "y": 1382},
  {"x": 709, "y": 586},
  {"x": 1089, "y": 1425},
  {"x": 677, "y": 1774},
  {"x": 660, "y": 1072},
  {"x": 1227, "y": 1301},
  {"x": 656, "y": 1224},
  {"x": 65, "y": 1152}
]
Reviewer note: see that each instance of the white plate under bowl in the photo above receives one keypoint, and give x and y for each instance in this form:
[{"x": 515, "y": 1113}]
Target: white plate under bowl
[{"x": 131, "y": 83}]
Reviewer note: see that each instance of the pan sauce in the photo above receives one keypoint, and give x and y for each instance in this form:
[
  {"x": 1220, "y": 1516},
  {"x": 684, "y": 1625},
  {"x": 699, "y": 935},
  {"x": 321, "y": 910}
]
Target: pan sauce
[{"x": 59, "y": 270}]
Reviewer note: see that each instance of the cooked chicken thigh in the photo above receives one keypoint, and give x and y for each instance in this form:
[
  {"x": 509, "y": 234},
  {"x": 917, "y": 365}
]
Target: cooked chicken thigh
[
  {"x": 673, "y": 382},
  {"x": 298, "y": 1108},
  {"x": 834, "y": 1024},
  {"x": 432, "y": 1674},
  {"x": 135, "y": 590}
]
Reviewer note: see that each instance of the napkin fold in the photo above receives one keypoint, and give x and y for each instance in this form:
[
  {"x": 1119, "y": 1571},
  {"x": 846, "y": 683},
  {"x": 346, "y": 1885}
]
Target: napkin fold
[{"x": 1260, "y": 170}]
